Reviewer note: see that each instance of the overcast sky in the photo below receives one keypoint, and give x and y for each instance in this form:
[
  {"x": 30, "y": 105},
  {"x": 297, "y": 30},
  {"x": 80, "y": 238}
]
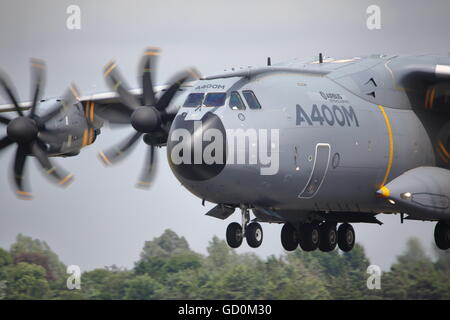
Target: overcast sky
[{"x": 101, "y": 219}]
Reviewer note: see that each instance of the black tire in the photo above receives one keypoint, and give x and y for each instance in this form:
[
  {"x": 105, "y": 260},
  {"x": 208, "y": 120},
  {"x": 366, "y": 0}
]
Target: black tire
[
  {"x": 289, "y": 237},
  {"x": 234, "y": 235},
  {"x": 328, "y": 237},
  {"x": 309, "y": 237},
  {"x": 254, "y": 234},
  {"x": 442, "y": 235},
  {"x": 346, "y": 237}
]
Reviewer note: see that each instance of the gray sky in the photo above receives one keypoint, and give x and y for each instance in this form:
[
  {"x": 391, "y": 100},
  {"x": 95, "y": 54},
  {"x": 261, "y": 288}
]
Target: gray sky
[{"x": 102, "y": 219}]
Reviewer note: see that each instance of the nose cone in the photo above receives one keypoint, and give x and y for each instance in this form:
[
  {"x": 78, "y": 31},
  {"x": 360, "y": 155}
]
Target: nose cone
[
  {"x": 196, "y": 149},
  {"x": 22, "y": 130},
  {"x": 145, "y": 119}
]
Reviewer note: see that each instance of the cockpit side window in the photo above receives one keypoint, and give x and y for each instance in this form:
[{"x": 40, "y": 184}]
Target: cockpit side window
[
  {"x": 236, "y": 102},
  {"x": 194, "y": 100},
  {"x": 250, "y": 97},
  {"x": 215, "y": 99}
]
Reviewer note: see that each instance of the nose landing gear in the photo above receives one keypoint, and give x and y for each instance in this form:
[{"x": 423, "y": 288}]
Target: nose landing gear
[
  {"x": 234, "y": 235},
  {"x": 252, "y": 232}
]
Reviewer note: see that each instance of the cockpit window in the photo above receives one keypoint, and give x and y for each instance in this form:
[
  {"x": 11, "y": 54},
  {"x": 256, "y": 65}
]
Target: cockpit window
[
  {"x": 251, "y": 99},
  {"x": 216, "y": 99},
  {"x": 194, "y": 100},
  {"x": 236, "y": 102}
]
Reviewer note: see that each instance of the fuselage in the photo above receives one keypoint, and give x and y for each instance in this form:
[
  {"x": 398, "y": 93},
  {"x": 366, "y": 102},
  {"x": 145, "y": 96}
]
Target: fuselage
[{"x": 329, "y": 147}]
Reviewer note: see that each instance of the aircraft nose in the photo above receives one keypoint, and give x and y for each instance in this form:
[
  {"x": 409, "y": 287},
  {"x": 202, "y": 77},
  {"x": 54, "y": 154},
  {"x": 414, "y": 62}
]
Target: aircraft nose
[{"x": 196, "y": 149}]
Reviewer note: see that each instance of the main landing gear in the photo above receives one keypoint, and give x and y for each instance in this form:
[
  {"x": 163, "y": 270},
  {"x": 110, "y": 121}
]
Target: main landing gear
[
  {"x": 309, "y": 236},
  {"x": 252, "y": 232},
  {"x": 442, "y": 235},
  {"x": 324, "y": 236}
]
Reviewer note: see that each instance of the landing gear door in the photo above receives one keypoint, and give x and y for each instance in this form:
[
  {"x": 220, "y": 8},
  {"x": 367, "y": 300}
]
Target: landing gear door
[{"x": 320, "y": 167}]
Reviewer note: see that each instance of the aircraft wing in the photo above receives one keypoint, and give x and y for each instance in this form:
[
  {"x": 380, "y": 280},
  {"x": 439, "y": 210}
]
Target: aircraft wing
[
  {"x": 103, "y": 106},
  {"x": 10, "y": 108},
  {"x": 106, "y": 106}
]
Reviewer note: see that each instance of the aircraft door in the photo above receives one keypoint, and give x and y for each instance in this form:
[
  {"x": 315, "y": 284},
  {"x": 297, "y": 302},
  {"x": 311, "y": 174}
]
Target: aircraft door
[{"x": 319, "y": 170}]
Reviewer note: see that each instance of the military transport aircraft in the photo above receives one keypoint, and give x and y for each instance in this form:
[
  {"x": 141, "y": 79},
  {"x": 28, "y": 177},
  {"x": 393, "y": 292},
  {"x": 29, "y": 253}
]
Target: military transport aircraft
[
  {"x": 307, "y": 144},
  {"x": 60, "y": 127}
]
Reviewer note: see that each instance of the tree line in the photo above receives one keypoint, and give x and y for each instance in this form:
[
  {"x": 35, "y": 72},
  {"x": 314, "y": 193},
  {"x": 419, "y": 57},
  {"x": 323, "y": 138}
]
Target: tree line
[{"x": 169, "y": 269}]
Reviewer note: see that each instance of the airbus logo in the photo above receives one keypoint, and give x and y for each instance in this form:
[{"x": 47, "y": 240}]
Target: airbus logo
[{"x": 333, "y": 96}]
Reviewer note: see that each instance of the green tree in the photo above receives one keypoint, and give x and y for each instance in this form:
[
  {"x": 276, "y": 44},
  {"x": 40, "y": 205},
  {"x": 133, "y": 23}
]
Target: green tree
[
  {"x": 2, "y": 289},
  {"x": 220, "y": 255},
  {"x": 26, "y": 281},
  {"x": 351, "y": 282},
  {"x": 34, "y": 251},
  {"x": 5, "y": 258},
  {"x": 168, "y": 269},
  {"x": 105, "y": 284},
  {"x": 413, "y": 276},
  {"x": 442, "y": 260},
  {"x": 240, "y": 282},
  {"x": 143, "y": 287},
  {"x": 168, "y": 244},
  {"x": 185, "y": 284},
  {"x": 161, "y": 267},
  {"x": 166, "y": 255}
]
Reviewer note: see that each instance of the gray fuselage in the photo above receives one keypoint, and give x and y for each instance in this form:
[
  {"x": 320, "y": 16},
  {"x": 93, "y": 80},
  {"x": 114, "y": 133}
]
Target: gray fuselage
[{"x": 335, "y": 148}]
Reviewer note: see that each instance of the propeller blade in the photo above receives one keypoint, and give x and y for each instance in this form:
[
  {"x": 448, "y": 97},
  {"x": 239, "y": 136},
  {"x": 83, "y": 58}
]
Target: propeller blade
[
  {"x": 149, "y": 170},
  {"x": 38, "y": 81},
  {"x": 6, "y": 83},
  {"x": 60, "y": 176},
  {"x": 115, "y": 81},
  {"x": 19, "y": 176},
  {"x": 148, "y": 64},
  {"x": 70, "y": 97},
  {"x": 51, "y": 136},
  {"x": 5, "y": 142},
  {"x": 5, "y": 120},
  {"x": 116, "y": 153},
  {"x": 164, "y": 101}
]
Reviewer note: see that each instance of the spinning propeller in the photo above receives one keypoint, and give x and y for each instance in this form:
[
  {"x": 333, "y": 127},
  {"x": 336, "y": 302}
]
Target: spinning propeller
[
  {"x": 28, "y": 131},
  {"x": 149, "y": 116}
]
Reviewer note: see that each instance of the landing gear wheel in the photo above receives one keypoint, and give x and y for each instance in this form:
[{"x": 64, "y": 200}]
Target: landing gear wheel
[
  {"x": 289, "y": 237},
  {"x": 328, "y": 237},
  {"x": 254, "y": 234},
  {"x": 442, "y": 235},
  {"x": 346, "y": 237},
  {"x": 309, "y": 237},
  {"x": 234, "y": 235}
]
